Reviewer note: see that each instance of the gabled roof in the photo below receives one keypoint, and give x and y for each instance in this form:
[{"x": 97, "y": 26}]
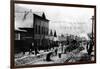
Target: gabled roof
[
  {"x": 26, "y": 19},
  {"x": 23, "y": 19}
]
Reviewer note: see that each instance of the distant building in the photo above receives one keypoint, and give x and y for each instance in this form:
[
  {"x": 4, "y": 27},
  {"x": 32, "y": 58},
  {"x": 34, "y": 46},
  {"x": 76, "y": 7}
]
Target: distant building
[{"x": 62, "y": 38}]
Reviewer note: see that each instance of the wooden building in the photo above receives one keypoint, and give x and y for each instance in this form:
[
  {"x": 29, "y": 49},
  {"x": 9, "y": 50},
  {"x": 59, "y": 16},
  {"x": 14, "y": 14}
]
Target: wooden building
[{"x": 31, "y": 28}]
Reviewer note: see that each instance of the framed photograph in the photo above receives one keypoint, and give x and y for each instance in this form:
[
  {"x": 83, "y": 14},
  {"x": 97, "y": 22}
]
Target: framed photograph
[{"x": 52, "y": 34}]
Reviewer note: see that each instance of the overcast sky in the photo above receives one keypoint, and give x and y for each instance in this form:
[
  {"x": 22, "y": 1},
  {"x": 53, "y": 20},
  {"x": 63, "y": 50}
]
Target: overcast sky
[{"x": 65, "y": 20}]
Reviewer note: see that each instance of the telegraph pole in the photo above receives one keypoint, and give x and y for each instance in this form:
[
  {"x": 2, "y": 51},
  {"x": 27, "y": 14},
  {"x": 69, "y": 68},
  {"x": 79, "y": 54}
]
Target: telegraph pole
[{"x": 92, "y": 27}]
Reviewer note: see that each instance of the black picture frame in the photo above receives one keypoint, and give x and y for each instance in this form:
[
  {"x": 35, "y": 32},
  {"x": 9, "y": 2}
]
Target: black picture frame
[{"x": 12, "y": 34}]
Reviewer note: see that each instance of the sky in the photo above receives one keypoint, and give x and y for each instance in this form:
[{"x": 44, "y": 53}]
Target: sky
[{"x": 65, "y": 20}]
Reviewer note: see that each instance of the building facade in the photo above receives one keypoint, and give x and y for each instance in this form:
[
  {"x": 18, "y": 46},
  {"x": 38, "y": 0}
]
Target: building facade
[
  {"x": 31, "y": 28},
  {"x": 41, "y": 30}
]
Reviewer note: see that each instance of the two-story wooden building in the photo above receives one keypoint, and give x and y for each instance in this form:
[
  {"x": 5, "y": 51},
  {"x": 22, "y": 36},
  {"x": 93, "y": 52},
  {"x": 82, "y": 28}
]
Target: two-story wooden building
[{"x": 31, "y": 27}]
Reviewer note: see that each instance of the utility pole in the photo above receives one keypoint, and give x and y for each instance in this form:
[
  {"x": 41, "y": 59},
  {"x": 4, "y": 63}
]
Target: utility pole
[
  {"x": 93, "y": 21},
  {"x": 91, "y": 43}
]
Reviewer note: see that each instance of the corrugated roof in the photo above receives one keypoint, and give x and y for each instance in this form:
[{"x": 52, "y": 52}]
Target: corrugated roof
[{"x": 19, "y": 30}]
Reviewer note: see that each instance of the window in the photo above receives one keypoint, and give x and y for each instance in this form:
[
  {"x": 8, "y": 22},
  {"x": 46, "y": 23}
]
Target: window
[
  {"x": 17, "y": 36},
  {"x": 39, "y": 29}
]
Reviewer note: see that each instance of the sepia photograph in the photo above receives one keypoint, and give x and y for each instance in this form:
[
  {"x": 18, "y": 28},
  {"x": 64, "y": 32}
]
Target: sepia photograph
[{"x": 50, "y": 34}]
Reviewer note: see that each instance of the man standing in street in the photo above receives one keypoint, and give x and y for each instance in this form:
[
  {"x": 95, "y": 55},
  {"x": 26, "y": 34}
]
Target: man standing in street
[{"x": 59, "y": 50}]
